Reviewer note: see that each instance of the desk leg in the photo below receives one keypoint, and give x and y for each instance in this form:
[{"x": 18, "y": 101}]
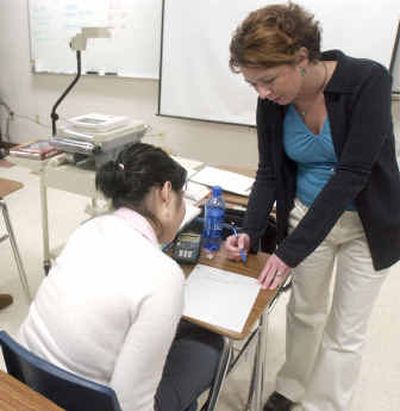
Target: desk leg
[
  {"x": 45, "y": 225},
  {"x": 15, "y": 250},
  {"x": 255, "y": 400},
  {"x": 220, "y": 375},
  {"x": 250, "y": 397}
]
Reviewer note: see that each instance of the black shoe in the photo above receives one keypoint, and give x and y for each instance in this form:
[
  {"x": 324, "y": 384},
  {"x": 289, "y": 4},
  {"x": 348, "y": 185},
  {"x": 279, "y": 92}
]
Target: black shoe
[
  {"x": 277, "y": 402},
  {"x": 5, "y": 300}
]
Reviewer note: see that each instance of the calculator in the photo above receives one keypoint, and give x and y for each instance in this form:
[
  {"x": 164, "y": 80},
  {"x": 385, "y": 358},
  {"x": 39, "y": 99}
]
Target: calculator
[{"x": 187, "y": 247}]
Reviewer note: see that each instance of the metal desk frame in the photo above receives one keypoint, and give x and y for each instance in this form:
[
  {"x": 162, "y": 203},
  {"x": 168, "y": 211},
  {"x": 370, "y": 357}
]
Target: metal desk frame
[
  {"x": 65, "y": 177},
  {"x": 255, "y": 329},
  {"x": 228, "y": 362}
]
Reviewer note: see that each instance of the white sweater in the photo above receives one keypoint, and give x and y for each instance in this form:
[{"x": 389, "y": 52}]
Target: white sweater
[{"x": 109, "y": 308}]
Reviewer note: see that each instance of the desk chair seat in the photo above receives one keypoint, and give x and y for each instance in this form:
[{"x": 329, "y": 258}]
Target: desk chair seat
[
  {"x": 67, "y": 390},
  {"x": 7, "y": 187}
]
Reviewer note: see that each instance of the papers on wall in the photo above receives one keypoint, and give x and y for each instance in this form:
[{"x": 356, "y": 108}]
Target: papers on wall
[
  {"x": 219, "y": 297},
  {"x": 229, "y": 181},
  {"x": 195, "y": 191}
]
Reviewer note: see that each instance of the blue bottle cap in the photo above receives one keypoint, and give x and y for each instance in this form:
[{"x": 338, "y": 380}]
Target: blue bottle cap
[{"x": 216, "y": 191}]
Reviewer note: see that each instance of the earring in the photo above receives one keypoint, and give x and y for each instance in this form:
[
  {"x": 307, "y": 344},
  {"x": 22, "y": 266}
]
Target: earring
[{"x": 302, "y": 71}]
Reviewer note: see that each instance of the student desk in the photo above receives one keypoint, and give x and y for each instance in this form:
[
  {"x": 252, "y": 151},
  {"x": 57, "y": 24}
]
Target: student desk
[
  {"x": 16, "y": 396},
  {"x": 255, "y": 326},
  {"x": 76, "y": 180}
]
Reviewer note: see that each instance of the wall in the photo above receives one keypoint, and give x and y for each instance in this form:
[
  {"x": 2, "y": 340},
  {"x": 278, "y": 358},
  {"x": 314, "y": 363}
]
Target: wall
[{"x": 31, "y": 96}]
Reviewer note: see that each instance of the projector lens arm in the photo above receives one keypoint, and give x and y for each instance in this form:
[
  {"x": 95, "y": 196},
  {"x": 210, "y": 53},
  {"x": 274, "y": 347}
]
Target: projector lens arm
[{"x": 54, "y": 115}]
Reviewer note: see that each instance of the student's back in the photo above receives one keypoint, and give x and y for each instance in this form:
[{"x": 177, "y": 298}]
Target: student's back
[{"x": 109, "y": 308}]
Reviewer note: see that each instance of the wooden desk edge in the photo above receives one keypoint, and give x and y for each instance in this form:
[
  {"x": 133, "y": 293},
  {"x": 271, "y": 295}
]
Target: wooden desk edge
[
  {"x": 263, "y": 301},
  {"x": 251, "y": 269},
  {"x": 21, "y": 396},
  {"x": 8, "y": 186}
]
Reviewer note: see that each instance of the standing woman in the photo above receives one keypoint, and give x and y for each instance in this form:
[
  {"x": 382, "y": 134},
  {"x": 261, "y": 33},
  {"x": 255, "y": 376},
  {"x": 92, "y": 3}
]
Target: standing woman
[
  {"x": 110, "y": 306},
  {"x": 327, "y": 158}
]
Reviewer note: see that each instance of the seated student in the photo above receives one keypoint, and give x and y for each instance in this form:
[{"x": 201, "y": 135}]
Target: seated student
[{"x": 110, "y": 306}]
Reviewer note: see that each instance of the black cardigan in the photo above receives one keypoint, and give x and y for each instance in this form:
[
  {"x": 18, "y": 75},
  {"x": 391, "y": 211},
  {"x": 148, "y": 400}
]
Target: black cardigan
[{"x": 358, "y": 100}]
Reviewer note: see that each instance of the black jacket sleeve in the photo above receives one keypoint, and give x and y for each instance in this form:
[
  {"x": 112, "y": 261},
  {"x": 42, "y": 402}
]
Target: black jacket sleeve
[
  {"x": 262, "y": 196},
  {"x": 369, "y": 126}
]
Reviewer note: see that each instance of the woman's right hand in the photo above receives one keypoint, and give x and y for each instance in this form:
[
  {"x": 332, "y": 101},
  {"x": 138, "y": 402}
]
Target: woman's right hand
[{"x": 233, "y": 244}]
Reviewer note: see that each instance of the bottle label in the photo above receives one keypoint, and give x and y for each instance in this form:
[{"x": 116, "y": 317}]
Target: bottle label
[{"x": 213, "y": 226}]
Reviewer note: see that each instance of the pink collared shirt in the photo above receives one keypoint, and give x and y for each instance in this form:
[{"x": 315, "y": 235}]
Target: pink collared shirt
[
  {"x": 109, "y": 308},
  {"x": 138, "y": 222}
]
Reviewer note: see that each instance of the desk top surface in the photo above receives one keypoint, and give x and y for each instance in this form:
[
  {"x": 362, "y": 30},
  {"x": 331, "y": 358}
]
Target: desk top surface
[
  {"x": 252, "y": 268},
  {"x": 15, "y": 396},
  {"x": 9, "y": 186}
]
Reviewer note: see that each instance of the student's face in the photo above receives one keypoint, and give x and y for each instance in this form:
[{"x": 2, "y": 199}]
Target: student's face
[
  {"x": 280, "y": 84},
  {"x": 173, "y": 216}
]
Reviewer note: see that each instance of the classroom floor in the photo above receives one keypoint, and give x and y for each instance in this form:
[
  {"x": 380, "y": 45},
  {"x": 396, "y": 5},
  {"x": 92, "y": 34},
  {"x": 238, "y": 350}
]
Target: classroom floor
[{"x": 378, "y": 386}]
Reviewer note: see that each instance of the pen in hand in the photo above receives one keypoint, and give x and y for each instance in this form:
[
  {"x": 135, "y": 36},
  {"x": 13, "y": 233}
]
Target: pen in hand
[
  {"x": 242, "y": 252},
  {"x": 243, "y": 255}
]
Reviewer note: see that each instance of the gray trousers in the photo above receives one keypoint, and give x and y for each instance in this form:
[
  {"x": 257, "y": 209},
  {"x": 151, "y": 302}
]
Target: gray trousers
[{"x": 190, "y": 367}]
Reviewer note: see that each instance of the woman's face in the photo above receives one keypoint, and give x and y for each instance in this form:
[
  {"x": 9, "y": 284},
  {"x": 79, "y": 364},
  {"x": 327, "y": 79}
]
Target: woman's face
[
  {"x": 280, "y": 84},
  {"x": 173, "y": 216}
]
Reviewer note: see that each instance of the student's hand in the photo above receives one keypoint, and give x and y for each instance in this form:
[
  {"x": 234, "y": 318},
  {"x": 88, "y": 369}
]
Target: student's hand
[
  {"x": 273, "y": 273},
  {"x": 233, "y": 244}
]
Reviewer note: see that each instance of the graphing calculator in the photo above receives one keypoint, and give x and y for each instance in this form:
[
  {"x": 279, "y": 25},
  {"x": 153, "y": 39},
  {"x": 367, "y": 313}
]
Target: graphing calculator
[{"x": 187, "y": 247}]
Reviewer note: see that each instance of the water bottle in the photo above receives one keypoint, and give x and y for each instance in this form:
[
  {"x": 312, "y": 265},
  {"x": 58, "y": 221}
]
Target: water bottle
[{"x": 214, "y": 213}]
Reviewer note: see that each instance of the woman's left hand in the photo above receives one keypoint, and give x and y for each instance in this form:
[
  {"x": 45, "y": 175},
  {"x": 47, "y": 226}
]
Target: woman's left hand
[{"x": 273, "y": 273}]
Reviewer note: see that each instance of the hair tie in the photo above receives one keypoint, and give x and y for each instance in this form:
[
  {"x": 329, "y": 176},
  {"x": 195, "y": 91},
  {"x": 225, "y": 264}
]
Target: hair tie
[{"x": 121, "y": 166}]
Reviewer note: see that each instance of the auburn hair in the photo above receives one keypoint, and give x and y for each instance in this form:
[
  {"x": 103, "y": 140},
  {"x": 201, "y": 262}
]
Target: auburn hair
[{"x": 272, "y": 35}]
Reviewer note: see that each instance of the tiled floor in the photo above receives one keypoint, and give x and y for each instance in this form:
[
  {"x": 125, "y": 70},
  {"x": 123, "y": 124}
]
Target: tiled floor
[{"x": 377, "y": 390}]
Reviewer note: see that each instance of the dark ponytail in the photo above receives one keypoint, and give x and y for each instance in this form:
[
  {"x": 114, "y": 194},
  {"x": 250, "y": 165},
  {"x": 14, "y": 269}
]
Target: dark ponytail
[{"x": 138, "y": 168}]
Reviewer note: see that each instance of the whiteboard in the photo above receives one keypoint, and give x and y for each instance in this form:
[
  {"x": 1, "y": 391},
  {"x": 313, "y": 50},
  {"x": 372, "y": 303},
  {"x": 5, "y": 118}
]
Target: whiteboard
[
  {"x": 133, "y": 49},
  {"x": 196, "y": 81}
]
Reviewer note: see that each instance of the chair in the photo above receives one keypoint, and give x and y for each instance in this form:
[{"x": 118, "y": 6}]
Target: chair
[
  {"x": 67, "y": 390},
  {"x": 8, "y": 187}
]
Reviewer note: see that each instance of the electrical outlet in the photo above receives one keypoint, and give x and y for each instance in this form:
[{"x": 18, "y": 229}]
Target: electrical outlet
[{"x": 37, "y": 119}]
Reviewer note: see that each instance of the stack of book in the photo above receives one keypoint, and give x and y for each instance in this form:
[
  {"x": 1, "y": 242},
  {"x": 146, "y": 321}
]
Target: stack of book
[{"x": 38, "y": 150}]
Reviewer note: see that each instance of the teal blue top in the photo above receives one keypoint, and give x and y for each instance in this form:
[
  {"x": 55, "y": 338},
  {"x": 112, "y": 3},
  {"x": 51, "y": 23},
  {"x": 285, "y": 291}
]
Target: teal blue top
[{"x": 314, "y": 154}]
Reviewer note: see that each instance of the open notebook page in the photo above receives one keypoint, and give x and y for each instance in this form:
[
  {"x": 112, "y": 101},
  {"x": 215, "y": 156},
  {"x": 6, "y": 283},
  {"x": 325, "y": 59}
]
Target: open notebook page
[{"x": 219, "y": 297}]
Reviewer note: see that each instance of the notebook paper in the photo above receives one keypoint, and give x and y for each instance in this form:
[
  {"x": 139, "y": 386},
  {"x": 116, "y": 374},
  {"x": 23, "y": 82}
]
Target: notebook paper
[
  {"x": 229, "y": 181},
  {"x": 218, "y": 297}
]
